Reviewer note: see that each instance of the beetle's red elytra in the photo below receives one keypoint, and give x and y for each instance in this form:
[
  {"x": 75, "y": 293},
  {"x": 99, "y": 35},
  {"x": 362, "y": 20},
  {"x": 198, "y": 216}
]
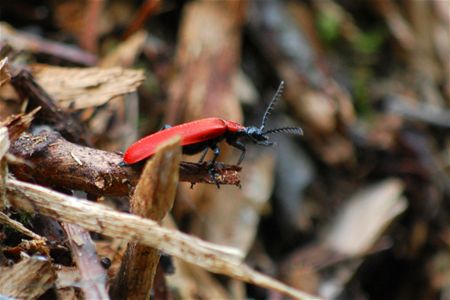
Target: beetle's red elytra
[
  {"x": 204, "y": 134},
  {"x": 192, "y": 133}
]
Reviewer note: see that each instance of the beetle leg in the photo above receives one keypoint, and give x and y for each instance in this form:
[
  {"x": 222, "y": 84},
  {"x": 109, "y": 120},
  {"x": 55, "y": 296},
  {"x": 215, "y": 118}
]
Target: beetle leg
[
  {"x": 200, "y": 161},
  {"x": 123, "y": 164},
  {"x": 211, "y": 170},
  {"x": 240, "y": 146},
  {"x": 203, "y": 156},
  {"x": 216, "y": 153}
]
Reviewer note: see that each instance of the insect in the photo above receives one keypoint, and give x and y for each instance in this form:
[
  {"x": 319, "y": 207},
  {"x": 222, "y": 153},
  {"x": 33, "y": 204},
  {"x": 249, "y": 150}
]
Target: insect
[{"x": 204, "y": 134}]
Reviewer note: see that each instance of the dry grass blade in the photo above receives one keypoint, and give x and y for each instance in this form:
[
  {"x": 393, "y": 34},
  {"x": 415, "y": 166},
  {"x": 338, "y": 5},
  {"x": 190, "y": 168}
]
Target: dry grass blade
[
  {"x": 98, "y": 218},
  {"x": 27, "y": 279},
  {"x": 4, "y": 219}
]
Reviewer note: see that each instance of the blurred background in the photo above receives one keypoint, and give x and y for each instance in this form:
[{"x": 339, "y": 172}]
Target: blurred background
[{"x": 357, "y": 208}]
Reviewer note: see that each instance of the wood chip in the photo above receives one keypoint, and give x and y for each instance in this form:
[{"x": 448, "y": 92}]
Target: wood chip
[
  {"x": 365, "y": 216},
  {"x": 27, "y": 279},
  {"x": 5, "y": 76},
  {"x": 79, "y": 88},
  {"x": 153, "y": 198}
]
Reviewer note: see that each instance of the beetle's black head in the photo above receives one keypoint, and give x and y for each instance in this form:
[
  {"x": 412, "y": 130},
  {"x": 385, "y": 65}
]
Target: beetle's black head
[
  {"x": 261, "y": 137},
  {"x": 256, "y": 135}
]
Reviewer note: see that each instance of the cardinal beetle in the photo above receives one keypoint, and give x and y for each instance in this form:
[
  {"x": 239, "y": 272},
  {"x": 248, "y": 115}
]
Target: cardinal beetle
[{"x": 199, "y": 135}]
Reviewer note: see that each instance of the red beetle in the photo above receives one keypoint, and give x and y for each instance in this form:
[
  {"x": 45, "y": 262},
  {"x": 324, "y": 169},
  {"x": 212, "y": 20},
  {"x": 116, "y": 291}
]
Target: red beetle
[{"x": 199, "y": 135}]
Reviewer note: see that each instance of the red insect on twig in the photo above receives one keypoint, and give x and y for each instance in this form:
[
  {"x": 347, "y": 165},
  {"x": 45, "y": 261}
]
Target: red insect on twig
[{"x": 204, "y": 134}]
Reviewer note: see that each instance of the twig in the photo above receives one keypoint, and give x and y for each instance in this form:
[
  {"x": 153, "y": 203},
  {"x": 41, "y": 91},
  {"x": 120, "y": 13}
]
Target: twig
[
  {"x": 100, "y": 173},
  {"x": 4, "y": 219},
  {"x": 89, "y": 35},
  {"x": 148, "y": 8},
  {"x": 25, "y": 41},
  {"x": 93, "y": 276},
  {"x": 101, "y": 219}
]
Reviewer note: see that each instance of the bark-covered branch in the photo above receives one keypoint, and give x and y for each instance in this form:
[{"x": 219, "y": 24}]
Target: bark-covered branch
[{"x": 54, "y": 161}]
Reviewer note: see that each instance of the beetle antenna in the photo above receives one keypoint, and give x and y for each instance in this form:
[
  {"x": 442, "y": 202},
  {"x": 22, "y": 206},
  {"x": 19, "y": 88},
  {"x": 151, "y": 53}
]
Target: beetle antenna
[
  {"x": 272, "y": 103},
  {"x": 290, "y": 130}
]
